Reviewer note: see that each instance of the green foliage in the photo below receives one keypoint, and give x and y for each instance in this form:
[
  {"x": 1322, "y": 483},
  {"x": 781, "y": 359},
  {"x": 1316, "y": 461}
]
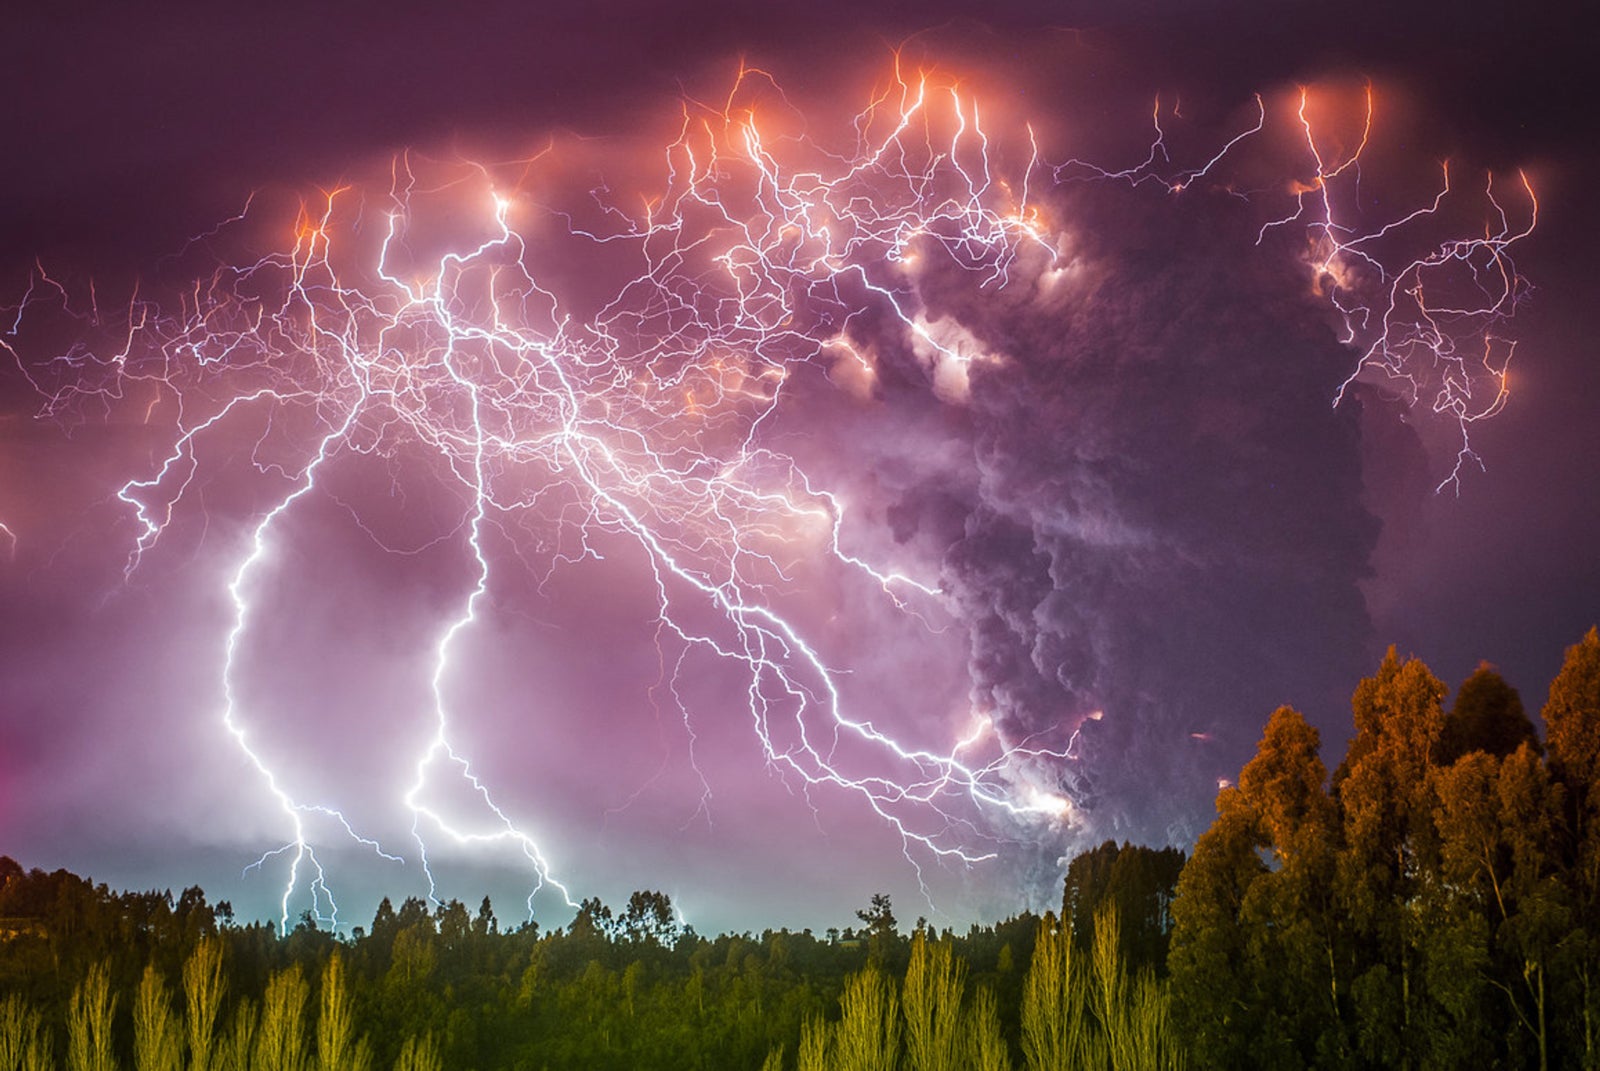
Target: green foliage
[
  {"x": 986, "y": 1044},
  {"x": 203, "y": 989},
  {"x": 89, "y": 1023},
  {"x": 280, "y": 1037},
  {"x": 1140, "y": 882},
  {"x": 816, "y": 1046},
  {"x": 650, "y": 919},
  {"x": 157, "y": 1033},
  {"x": 431, "y": 987},
  {"x": 239, "y": 1044},
  {"x": 1132, "y": 1013},
  {"x": 931, "y": 999},
  {"x": 24, "y": 1043},
  {"x": 418, "y": 1054},
  {"x": 867, "y": 1036},
  {"x": 339, "y": 1046},
  {"x": 1217, "y": 991},
  {"x": 1054, "y": 1001},
  {"x": 881, "y": 936},
  {"x": 1431, "y": 905}
]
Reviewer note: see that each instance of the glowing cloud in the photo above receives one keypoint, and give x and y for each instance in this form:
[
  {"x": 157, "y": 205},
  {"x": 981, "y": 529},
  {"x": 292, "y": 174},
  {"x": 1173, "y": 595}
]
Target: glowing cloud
[{"x": 435, "y": 323}]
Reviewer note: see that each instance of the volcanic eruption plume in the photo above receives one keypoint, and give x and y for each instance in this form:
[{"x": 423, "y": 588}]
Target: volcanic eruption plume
[{"x": 916, "y": 373}]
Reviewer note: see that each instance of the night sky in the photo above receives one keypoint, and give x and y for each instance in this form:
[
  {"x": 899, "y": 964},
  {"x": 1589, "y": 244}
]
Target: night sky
[{"x": 1137, "y": 502}]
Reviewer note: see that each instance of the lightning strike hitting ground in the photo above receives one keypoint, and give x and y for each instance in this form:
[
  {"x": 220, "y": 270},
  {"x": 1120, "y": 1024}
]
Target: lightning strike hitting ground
[{"x": 564, "y": 427}]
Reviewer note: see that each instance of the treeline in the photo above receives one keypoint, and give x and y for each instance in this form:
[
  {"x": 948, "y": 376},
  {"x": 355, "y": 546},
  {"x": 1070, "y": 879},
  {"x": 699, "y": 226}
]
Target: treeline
[
  {"x": 1435, "y": 903},
  {"x": 92, "y": 980}
]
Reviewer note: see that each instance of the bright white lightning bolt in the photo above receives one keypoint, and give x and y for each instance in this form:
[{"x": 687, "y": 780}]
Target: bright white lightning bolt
[{"x": 643, "y": 421}]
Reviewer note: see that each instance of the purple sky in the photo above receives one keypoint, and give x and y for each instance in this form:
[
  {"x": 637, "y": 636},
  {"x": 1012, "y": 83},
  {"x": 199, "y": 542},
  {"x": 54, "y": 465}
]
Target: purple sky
[{"x": 1146, "y": 507}]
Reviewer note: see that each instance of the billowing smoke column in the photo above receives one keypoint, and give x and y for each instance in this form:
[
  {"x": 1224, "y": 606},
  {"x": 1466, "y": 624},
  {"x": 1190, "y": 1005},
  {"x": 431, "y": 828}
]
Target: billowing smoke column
[
  {"x": 1162, "y": 529},
  {"x": 1081, "y": 417}
]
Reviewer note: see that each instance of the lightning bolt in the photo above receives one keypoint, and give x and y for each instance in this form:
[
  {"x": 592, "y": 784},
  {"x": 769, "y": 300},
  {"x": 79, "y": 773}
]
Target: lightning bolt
[
  {"x": 566, "y": 431},
  {"x": 1446, "y": 351}
]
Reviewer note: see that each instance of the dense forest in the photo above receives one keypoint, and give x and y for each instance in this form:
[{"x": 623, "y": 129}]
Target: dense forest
[{"x": 1434, "y": 903}]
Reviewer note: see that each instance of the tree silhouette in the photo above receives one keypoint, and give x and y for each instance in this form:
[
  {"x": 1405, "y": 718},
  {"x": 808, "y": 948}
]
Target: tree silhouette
[
  {"x": 880, "y": 920},
  {"x": 1487, "y": 716}
]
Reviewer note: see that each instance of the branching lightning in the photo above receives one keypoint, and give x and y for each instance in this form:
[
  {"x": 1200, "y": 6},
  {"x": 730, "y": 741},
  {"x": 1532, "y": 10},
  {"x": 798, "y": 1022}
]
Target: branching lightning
[
  {"x": 1433, "y": 322},
  {"x": 566, "y": 431}
]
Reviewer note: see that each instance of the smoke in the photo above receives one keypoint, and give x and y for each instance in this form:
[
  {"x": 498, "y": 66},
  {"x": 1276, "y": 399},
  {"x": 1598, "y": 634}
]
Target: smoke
[
  {"x": 1119, "y": 463},
  {"x": 1152, "y": 528}
]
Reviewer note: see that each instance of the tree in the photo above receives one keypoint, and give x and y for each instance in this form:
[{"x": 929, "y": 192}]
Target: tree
[
  {"x": 867, "y": 1036},
  {"x": 649, "y": 919},
  {"x": 1421, "y": 914},
  {"x": 237, "y": 1052},
  {"x": 24, "y": 1042},
  {"x": 986, "y": 1044},
  {"x": 931, "y": 1000},
  {"x": 1572, "y": 720},
  {"x": 1572, "y": 734},
  {"x": 203, "y": 987},
  {"x": 339, "y": 1048},
  {"x": 1385, "y": 794},
  {"x": 408, "y": 995},
  {"x": 1462, "y": 908},
  {"x": 1295, "y": 940},
  {"x": 419, "y": 1054},
  {"x": 1487, "y": 717},
  {"x": 1132, "y": 1013},
  {"x": 485, "y": 924},
  {"x": 1212, "y": 980},
  {"x": 1141, "y": 882},
  {"x": 593, "y": 921},
  {"x": 1054, "y": 1000},
  {"x": 880, "y": 920},
  {"x": 280, "y": 1038},
  {"x": 157, "y": 1035},
  {"x": 816, "y": 1046},
  {"x": 89, "y": 1022}
]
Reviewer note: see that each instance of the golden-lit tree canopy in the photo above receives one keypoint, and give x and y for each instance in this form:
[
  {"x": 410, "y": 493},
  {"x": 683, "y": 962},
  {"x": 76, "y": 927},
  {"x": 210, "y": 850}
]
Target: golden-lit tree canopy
[{"x": 1426, "y": 907}]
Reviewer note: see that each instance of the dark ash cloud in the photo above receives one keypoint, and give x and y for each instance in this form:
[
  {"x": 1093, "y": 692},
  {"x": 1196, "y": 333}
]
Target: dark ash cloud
[{"x": 1163, "y": 517}]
